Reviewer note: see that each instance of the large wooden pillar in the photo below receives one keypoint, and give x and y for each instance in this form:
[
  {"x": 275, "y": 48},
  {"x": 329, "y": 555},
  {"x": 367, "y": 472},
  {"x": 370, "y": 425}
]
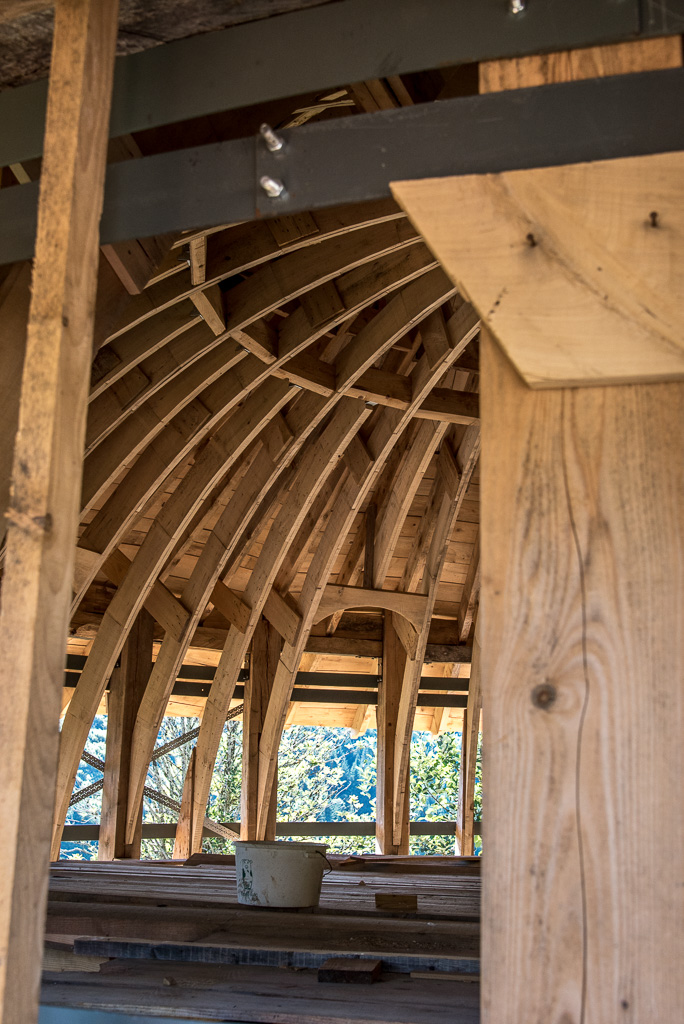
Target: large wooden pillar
[
  {"x": 266, "y": 647},
  {"x": 126, "y": 688},
  {"x": 389, "y": 693},
  {"x": 582, "y": 603},
  {"x": 582, "y": 668},
  {"x": 46, "y": 479}
]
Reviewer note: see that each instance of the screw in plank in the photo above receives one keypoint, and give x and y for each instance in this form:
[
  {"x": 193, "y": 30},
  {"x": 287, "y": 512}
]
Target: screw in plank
[
  {"x": 273, "y": 141},
  {"x": 271, "y": 186}
]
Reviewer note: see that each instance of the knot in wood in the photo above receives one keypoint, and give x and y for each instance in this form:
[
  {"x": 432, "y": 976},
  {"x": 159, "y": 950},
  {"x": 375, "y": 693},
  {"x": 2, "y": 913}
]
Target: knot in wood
[{"x": 544, "y": 695}]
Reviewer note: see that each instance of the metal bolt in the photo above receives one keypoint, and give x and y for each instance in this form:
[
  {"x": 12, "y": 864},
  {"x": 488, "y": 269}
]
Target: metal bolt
[
  {"x": 273, "y": 141},
  {"x": 517, "y": 6},
  {"x": 271, "y": 186}
]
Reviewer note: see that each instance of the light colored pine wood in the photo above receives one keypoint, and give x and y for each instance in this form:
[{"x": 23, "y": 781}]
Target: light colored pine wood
[
  {"x": 198, "y": 259},
  {"x": 336, "y": 598},
  {"x": 15, "y": 295},
  {"x": 446, "y": 514},
  {"x": 582, "y": 661},
  {"x": 574, "y": 268},
  {"x": 43, "y": 511},
  {"x": 164, "y": 450},
  {"x": 209, "y": 304},
  {"x": 210, "y": 466},
  {"x": 266, "y": 646},
  {"x": 567, "y": 265},
  {"x": 389, "y": 692},
  {"x": 471, "y": 594},
  {"x": 587, "y": 62},
  {"x": 314, "y": 465},
  {"x": 386, "y": 431},
  {"x": 233, "y": 526},
  {"x": 126, "y": 688},
  {"x": 470, "y": 735}
]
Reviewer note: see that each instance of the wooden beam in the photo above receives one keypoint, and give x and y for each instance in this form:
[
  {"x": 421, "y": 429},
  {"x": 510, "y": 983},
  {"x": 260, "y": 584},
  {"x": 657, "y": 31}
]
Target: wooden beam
[
  {"x": 266, "y": 646},
  {"x": 281, "y": 612},
  {"x": 470, "y": 735},
  {"x": 336, "y": 598},
  {"x": 126, "y": 688},
  {"x": 369, "y": 547},
  {"x": 389, "y": 692},
  {"x": 208, "y": 470},
  {"x": 471, "y": 594},
  {"x": 15, "y": 295},
  {"x": 197, "y": 248},
  {"x": 582, "y": 662},
  {"x": 209, "y": 304},
  {"x": 43, "y": 512},
  {"x": 570, "y": 266}
]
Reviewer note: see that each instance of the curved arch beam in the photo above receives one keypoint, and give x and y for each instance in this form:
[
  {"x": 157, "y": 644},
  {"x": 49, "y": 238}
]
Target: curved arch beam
[
  {"x": 406, "y": 308},
  {"x": 209, "y": 467},
  {"x": 388, "y": 426},
  {"x": 313, "y": 467},
  {"x": 168, "y": 447},
  {"x": 244, "y": 515},
  {"x": 247, "y": 246},
  {"x": 339, "y": 599}
]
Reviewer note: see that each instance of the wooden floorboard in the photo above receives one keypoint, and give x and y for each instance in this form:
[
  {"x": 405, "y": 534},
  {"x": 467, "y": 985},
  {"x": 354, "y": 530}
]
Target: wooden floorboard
[{"x": 262, "y": 994}]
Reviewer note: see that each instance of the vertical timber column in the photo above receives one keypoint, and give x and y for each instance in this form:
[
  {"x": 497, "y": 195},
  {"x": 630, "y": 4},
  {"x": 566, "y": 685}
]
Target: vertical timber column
[
  {"x": 393, "y": 662},
  {"x": 266, "y": 646},
  {"x": 46, "y": 481},
  {"x": 468, "y": 766},
  {"x": 126, "y": 689},
  {"x": 582, "y": 611}
]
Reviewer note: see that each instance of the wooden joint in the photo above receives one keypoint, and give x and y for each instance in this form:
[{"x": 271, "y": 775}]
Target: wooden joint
[
  {"x": 231, "y": 606},
  {"x": 283, "y": 613}
]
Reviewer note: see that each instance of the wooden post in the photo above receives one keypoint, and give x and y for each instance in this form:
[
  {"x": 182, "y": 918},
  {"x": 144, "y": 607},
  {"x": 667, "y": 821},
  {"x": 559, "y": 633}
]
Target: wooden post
[
  {"x": 185, "y": 826},
  {"x": 15, "y": 294},
  {"x": 43, "y": 512},
  {"x": 582, "y": 666},
  {"x": 127, "y": 687},
  {"x": 266, "y": 646},
  {"x": 468, "y": 766},
  {"x": 389, "y": 692}
]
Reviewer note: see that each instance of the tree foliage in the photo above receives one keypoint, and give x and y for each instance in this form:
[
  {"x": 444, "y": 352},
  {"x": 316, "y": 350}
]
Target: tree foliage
[{"x": 323, "y": 775}]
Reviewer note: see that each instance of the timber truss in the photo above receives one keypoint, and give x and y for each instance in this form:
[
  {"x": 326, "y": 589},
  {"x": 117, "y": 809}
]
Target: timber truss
[{"x": 260, "y": 423}]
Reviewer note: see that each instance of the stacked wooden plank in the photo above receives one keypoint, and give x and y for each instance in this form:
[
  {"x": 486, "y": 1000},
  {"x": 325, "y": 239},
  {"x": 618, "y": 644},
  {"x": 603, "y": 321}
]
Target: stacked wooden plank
[{"x": 152, "y": 937}]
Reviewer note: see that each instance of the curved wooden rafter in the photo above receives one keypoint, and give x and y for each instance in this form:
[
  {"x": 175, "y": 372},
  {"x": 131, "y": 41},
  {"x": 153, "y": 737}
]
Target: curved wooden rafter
[
  {"x": 389, "y": 425},
  {"x": 212, "y": 463},
  {"x": 167, "y": 447},
  {"x": 325, "y": 316}
]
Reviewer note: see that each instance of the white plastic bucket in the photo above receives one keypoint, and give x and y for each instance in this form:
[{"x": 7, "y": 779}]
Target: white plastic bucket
[{"x": 273, "y": 874}]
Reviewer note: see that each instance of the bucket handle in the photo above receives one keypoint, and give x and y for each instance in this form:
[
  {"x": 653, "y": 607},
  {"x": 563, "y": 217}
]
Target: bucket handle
[{"x": 317, "y": 853}]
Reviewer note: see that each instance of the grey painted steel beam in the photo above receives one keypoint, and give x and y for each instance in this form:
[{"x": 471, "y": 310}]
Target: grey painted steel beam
[
  {"x": 354, "y": 159},
  {"x": 159, "y": 830},
  {"x": 327, "y": 46}
]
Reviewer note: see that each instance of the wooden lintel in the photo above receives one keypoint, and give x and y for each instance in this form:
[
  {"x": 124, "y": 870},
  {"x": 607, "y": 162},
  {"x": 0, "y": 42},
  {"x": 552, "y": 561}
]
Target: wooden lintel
[{"x": 336, "y": 597}]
